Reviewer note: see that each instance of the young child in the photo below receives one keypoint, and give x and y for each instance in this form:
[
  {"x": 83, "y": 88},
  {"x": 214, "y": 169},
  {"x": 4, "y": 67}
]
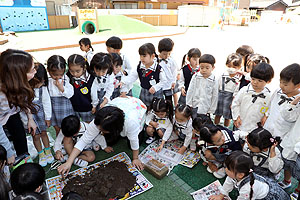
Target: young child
[
  {"x": 228, "y": 87},
  {"x": 168, "y": 64},
  {"x": 261, "y": 146},
  {"x": 250, "y": 185},
  {"x": 60, "y": 90},
  {"x": 218, "y": 143},
  {"x": 187, "y": 71},
  {"x": 28, "y": 177},
  {"x": 103, "y": 87},
  {"x": 159, "y": 120},
  {"x": 182, "y": 126},
  {"x": 202, "y": 94},
  {"x": 118, "y": 73},
  {"x": 86, "y": 46},
  {"x": 252, "y": 101},
  {"x": 71, "y": 130},
  {"x": 289, "y": 90},
  {"x": 244, "y": 51},
  {"x": 42, "y": 117},
  {"x": 149, "y": 72},
  {"x": 197, "y": 124},
  {"x": 82, "y": 83}
]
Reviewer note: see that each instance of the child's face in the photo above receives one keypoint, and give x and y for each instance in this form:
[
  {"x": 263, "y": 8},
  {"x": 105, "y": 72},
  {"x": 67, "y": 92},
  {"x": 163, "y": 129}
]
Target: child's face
[
  {"x": 232, "y": 69},
  {"x": 100, "y": 72},
  {"x": 229, "y": 173},
  {"x": 57, "y": 74},
  {"x": 218, "y": 139},
  {"x": 289, "y": 88},
  {"x": 31, "y": 73},
  {"x": 76, "y": 70},
  {"x": 206, "y": 69},
  {"x": 112, "y": 50},
  {"x": 117, "y": 69},
  {"x": 258, "y": 84},
  {"x": 84, "y": 47},
  {"x": 165, "y": 54},
  {"x": 180, "y": 118},
  {"x": 161, "y": 114},
  {"x": 147, "y": 59},
  {"x": 194, "y": 61}
]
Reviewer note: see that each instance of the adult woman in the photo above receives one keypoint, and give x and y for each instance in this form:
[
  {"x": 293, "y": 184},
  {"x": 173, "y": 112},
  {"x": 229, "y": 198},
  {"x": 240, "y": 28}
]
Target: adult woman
[
  {"x": 16, "y": 69},
  {"x": 123, "y": 116}
]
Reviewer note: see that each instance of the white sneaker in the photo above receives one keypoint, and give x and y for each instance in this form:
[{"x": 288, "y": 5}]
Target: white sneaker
[
  {"x": 43, "y": 160},
  {"x": 80, "y": 163},
  {"x": 220, "y": 173},
  {"x": 150, "y": 140},
  {"x": 284, "y": 184},
  {"x": 49, "y": 158}
]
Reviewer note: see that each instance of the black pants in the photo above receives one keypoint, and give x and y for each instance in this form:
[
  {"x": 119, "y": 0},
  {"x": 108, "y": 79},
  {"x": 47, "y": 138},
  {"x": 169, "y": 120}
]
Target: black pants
[{"x": 16, "y": 129}]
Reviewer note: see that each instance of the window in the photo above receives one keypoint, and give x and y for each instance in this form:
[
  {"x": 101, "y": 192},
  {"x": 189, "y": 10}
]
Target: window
[
  {"x": 125, "y": 5},
  {"x": 149, "y": 6},
  {"x": 163, "y": 6}
]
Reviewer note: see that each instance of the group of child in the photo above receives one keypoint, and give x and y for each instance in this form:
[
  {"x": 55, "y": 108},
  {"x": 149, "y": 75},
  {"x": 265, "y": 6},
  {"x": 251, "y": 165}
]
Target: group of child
[{"x": 252, "y": 154}]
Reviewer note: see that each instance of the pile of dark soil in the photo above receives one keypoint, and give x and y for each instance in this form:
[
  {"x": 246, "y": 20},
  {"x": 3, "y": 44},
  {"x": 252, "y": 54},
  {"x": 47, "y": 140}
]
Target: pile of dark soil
[{"x": 106, "y": 182}]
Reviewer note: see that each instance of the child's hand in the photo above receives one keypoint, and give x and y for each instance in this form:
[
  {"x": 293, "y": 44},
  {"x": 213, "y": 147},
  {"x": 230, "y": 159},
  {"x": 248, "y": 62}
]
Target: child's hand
[
  {"x": 238, "y": 122},
  {"x": 272, "y": 150},
  {"x": 296, "y": 100},
  {"x": 109, "y": 149},
  {"x": 59, "y": 85},
  {"x": 183, "y": 92},
  {"x": 216, "y": 197},
  {"x": 48, "y": 123},
  {"x": 159, "y": 148},
  {"x": 31, "y": 126},
  {"x": 11, "y": 160},
  {"x": 241, "y": 72},
  {"x": 160, "y": 133},
  {"x": 152, "y": 90},
  {"x": 178, "y": 77},
  {"x": 94, "y": 110},
  {"x": 173, "y": 86},
  {"x": 182, "y": 150},
  {"x": 104, "y": 102},
  {"x": 59, "y": 155},
  {"x": 212, "y": 166}
]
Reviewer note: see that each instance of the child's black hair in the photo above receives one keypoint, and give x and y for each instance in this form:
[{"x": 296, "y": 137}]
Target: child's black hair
[
  {"x": 27, "y": 178},
  {"x": 40, "y": 76},
  {"x": 56, "y": 62},
  {"x": 72, "y": 196},
  {"x": 244, "y": 50},
  {"x": 85, "y": 42},
  {"x": 148, "y": 48},
  {"x": 102, "y": 61},
  {"x": 4, "y": 187},
  {"x": 251, "y": 60},
  {"x": 291, "y": 73},
  {"x": 186, "y": 110},
  {"x": 162, "y": 105},
  {"x": 208, "y": 131},
  {"x": 263, "y": 71},
  {"x": 29, "y": 196},
  {"x": 111, "y": 119},
  {"x": 3, "y": 157},
  {"x": 207, "y": 58},
  {"x": 77, "y": 60},
  {"x": 116, "y": 59},
  {"x": 200, "y": 121},
  {"x": 193, "y": 52},
  {"x": 114, "y": 42},
  {"x": 241, "y": 162},
  {"x": 70, "y": 125},
  {"x": 235, "y": 59},
  {"x": 165, "y": 44},
  {"x": 262, "y": 138}
]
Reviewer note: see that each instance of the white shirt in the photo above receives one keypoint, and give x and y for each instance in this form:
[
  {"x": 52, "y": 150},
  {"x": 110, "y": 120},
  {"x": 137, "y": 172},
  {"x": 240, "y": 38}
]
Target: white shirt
[
  {"x": 186, "y": 129},
  {"x": 164, "y": 123},
  {"x": 170, "y": 68},
  {"x": 5, "y": 110},
  {"x": 274, "y": 164},
  {"x": 55, "y": 92},
  {"x": 182, "y": 79},
  {"x": 46, "y": 101},
  {"x": 133, "y": 76},
  {"x": 84, "y": 130},
  {"x": 203, "y": 93},
  {"x": 134, "y": 110},
  {"x": 260, "y": 189},
  {"x": 231, "y": 84},
  {"x": 126, "y": 64},
  {"x": 276, "y": 123},
  {"x": 249, "y": 112},
  {"x": 89, "y": 55},
  {"x": 104, "y": 82}
]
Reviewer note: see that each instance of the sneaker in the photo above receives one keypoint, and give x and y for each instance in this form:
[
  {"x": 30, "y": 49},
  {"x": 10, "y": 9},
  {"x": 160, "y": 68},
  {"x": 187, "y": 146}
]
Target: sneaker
[
  {"x": 283, "y": 184},
  {"x": 294, "y": 195},
  {"x": 49, "y": 158},
  {"x": 80, "y": 163},
  {"x": 220, "y": 173},
  {"x": 150, "y": 140},
  {"x": 43, "y": 160},
  {"x": 209, "y": 170},
  {"x": 193, "y": 145}
]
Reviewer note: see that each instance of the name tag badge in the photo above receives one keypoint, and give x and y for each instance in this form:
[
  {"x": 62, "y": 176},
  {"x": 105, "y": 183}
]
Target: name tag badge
[
  {"x": 152, "y": 82},
  {"x": 161, "y": 121},
  {"x": 263, "y": 110},
  {"x": 84, "y": 90}
]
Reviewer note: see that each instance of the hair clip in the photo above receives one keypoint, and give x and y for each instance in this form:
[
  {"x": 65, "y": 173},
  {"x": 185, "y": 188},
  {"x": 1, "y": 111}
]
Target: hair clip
[{"x": 272, "y": 140}]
